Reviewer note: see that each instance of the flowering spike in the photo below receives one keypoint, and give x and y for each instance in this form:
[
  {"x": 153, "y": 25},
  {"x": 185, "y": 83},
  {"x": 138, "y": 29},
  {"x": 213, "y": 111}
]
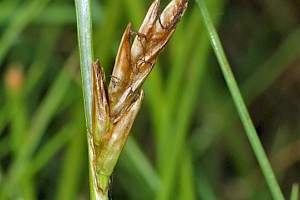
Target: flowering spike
[
  {"x": 114, "y": 111},
  {"x": 100, "y": 108},
  {"x": 121, "y": 75},
  {"x": 113, "y": 142},
  {"x": 134, "y": 64}
]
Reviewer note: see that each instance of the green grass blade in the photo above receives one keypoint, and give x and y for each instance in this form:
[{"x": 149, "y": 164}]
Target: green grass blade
[
  {"x": 204, "y": 188},
  {"x": 50, "y": 149},
  {"x": 187, "y": 188},
  {"x": 295, "y": 192},
  {"x": 172, "y": 151},
  {"x": 254, "y": 85},
  {"x": 28, "y": 187},
  {"x": 75, "y": 159},
  {"x": 136, "y": 12},
  {"x": 18, "y": 22},
  {"x": 240, "y": 105},
  {"x": 177, "y": 77},
  {"x": 39, "y": 123},
  {"x": 105, "y": 33},
  {"x": 141, "y": 164},
  {"x": 273, "y": 67},
  {"x": 4, "y": 146},
  {"x": 184, "y": 48}
]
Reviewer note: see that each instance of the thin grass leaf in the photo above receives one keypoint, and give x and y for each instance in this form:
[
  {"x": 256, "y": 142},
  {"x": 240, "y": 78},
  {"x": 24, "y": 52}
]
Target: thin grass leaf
[
  {"x": 18, "y": 22},
  {"x": 204, "y": 188},
  {"x": 251, "y": 88},
  {"x": 75, "y": 158},
  {"x": 141, "y": 165},
  {"x": 104, "y": 34},
  {"x": 187, "y": 188},
  {"x": 175, "y": 81},
  {"x": 274, "y": 66},
  {"x": 38, "y": 126},
  {"x": 240, "y": 105},
  {"x": 295, "y": 192},
  {"x": 172, "y": 149},
  {"x": 49, "y": 150}
]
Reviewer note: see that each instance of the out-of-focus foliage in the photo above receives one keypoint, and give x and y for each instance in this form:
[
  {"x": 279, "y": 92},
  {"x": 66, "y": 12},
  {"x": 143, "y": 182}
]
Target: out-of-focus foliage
[{"x": 187, "y": 141}]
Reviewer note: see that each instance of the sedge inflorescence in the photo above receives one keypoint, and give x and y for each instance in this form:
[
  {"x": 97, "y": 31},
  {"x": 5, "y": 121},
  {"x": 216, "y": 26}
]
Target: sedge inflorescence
[{"x": 114, "y": 108}]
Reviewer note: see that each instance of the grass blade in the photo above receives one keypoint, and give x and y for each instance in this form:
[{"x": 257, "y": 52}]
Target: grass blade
[
  {"x": 240, "y": 105},
  {"x": 295, "y": 192},
  {"x": 18, "y": 23}
]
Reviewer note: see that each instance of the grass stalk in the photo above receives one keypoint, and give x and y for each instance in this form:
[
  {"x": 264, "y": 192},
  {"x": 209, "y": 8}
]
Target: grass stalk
[
  {"x": 240, "y": 105},
  {"x": 295, "y": 192},
  {"x": 84, "y": 29}
]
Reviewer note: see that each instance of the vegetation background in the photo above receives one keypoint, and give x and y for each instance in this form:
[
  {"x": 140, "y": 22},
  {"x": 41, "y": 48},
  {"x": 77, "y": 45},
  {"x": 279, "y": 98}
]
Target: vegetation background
[{"x": 187, "y": 141}]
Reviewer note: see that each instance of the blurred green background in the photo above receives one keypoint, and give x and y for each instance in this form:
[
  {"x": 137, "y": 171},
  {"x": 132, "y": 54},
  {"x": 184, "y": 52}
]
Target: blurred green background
[{"x": 187, "y": 141}]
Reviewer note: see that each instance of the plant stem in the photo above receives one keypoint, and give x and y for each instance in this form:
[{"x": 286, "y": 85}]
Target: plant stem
[
  {"x": 84, "y": 27},
  {"x": 295, "y": 192},
  {"x": 240, "y": 105}
]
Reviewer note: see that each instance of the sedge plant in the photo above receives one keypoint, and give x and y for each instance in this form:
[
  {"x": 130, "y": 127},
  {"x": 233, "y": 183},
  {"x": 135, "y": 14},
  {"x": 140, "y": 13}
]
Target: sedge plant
[{"x": 110, "y": 112}]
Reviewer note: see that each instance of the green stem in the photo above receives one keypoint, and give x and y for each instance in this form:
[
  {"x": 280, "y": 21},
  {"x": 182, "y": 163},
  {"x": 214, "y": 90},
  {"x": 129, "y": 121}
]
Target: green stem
[
  {"x": 295, "y": 192},
  {"x": 84, "y": 27},
  {"x": 240, "y": 105}
]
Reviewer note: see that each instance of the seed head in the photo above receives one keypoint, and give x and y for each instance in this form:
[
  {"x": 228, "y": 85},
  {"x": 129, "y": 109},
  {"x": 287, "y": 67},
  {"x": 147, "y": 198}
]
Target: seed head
[{"x": 114, "y": 109}]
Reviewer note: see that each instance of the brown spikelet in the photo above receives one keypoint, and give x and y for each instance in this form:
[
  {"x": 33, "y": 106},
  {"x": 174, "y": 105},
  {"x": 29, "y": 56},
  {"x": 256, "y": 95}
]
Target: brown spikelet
[
  {"x": 114, "y": 110},
  {"x": 100, "y": 107},
  {"x": 134, "y": 64}
]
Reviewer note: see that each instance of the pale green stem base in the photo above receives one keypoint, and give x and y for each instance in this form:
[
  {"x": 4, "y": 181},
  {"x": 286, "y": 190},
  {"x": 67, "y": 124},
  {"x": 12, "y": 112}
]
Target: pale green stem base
[{"x": 98, "y": 184}]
